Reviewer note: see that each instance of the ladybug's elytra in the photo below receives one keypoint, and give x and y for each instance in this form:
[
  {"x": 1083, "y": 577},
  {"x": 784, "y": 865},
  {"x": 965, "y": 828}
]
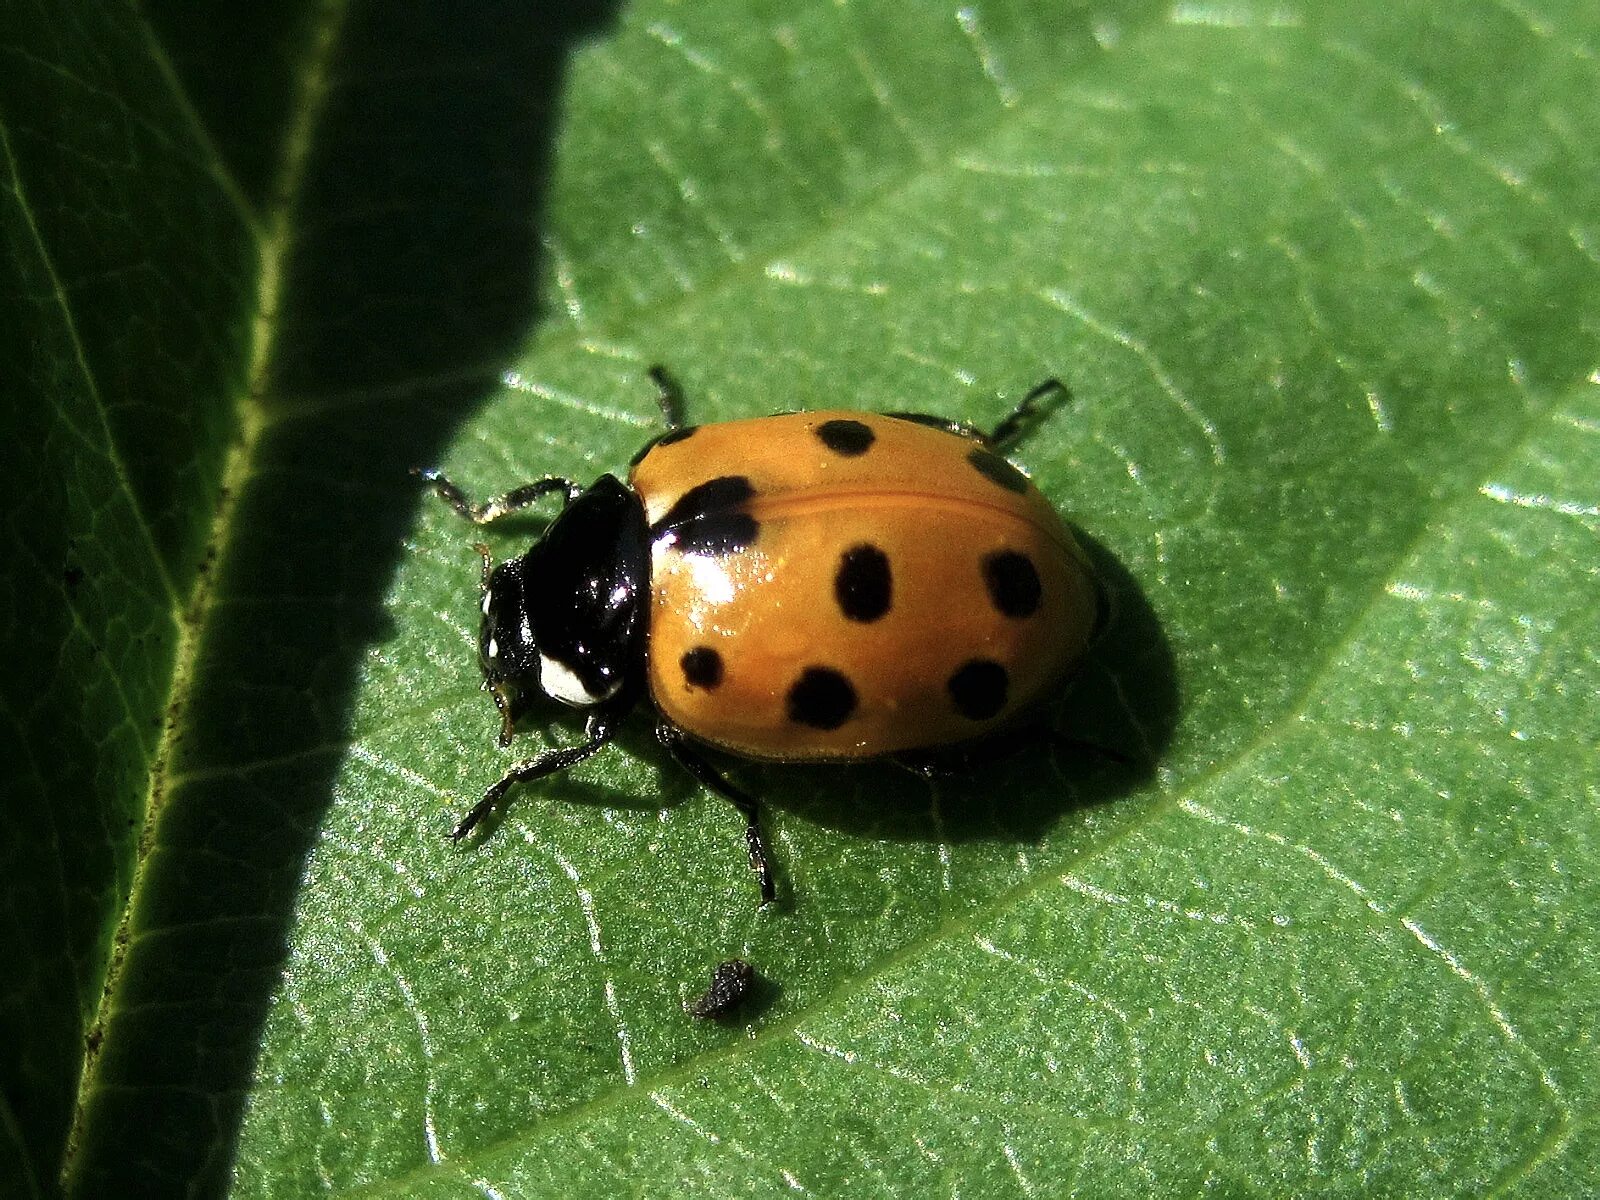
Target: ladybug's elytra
[{"x": 808, "y": 587}]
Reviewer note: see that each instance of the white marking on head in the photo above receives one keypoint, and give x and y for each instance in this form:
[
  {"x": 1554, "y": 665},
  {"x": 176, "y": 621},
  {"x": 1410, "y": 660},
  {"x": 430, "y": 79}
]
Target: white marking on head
[
  {"x": 494, "y": 648},
  {"x": 488, "y": 602},
  {"x": 560, "y": 682}
]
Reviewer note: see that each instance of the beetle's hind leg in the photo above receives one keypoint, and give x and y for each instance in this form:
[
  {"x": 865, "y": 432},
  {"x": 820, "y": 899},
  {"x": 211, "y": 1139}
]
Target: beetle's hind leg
[
  {"x": 498, "y": 506},
  {"x": 671, "y": 737}
]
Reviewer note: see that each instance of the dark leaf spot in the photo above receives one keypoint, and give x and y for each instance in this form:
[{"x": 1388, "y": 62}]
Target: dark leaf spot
[{"x": 731, "y": 982}]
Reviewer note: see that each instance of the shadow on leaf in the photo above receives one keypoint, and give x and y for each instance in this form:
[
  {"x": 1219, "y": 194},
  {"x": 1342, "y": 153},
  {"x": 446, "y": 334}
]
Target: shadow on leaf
[{"x": 408, "y": 277}]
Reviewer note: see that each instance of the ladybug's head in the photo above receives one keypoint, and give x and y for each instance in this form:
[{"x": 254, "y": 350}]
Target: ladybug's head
[{"x": 567, "y": 619}]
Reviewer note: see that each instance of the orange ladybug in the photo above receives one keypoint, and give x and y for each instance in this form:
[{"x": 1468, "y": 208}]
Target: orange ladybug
[{"x": 807, "y": 587}]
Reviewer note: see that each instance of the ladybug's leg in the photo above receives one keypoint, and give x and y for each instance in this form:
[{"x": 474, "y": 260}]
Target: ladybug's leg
[
  {"x": 689, "y": 759},
  {"x": 669, "y": 397},
  {"x": 1007, "y": 432},
  {"x": 601, "y": 728},
  {"x": 495, "y": 508}
]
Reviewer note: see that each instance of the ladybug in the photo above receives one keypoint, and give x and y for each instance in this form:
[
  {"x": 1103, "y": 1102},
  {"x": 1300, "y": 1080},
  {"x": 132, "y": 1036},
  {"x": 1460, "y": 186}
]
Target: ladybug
[{"x": 806, "y": 587}]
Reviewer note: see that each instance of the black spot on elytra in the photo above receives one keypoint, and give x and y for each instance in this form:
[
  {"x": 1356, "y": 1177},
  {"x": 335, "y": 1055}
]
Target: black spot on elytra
[
  {"x": 997, "y": 470},
  {"x": 1013, "y": 583},
  {"x": 709, "y": 519},
  {"x": 978, "y": 689},
  {"x": 665, "y": 439},
  {"x": 845, "y": 437},
  {"x": 863, "y": 585},
  {"x": 702, "y": 668},
  {"x": 821, "y": 698}
]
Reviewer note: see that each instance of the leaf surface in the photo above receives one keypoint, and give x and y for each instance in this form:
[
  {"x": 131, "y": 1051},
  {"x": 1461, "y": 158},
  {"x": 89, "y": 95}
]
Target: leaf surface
[{"x": 1323, "y": 284}]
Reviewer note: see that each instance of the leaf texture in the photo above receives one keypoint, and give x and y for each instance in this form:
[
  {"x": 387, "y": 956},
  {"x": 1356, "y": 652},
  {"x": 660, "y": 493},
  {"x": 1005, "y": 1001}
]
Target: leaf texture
[{"x": 1323, "y": 282}]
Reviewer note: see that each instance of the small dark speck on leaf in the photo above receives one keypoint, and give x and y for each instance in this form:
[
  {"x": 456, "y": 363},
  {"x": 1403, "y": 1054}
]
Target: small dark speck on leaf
[{"x": 731, "y": 982}]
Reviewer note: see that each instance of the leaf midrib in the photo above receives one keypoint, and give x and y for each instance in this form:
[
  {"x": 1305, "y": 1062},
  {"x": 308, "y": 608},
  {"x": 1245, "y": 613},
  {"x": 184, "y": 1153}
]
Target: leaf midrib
[{"x": 238, "y": 470}]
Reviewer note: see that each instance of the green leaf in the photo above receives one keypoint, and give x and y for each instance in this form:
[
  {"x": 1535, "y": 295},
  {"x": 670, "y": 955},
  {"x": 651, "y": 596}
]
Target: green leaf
[
  {"x": 1324, "y": 284},
  {"x": 125, "y": 284}
]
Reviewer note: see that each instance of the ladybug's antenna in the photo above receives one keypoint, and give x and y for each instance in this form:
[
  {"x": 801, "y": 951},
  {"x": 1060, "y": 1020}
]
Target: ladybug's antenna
[{"x": 493, "y": 509}]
